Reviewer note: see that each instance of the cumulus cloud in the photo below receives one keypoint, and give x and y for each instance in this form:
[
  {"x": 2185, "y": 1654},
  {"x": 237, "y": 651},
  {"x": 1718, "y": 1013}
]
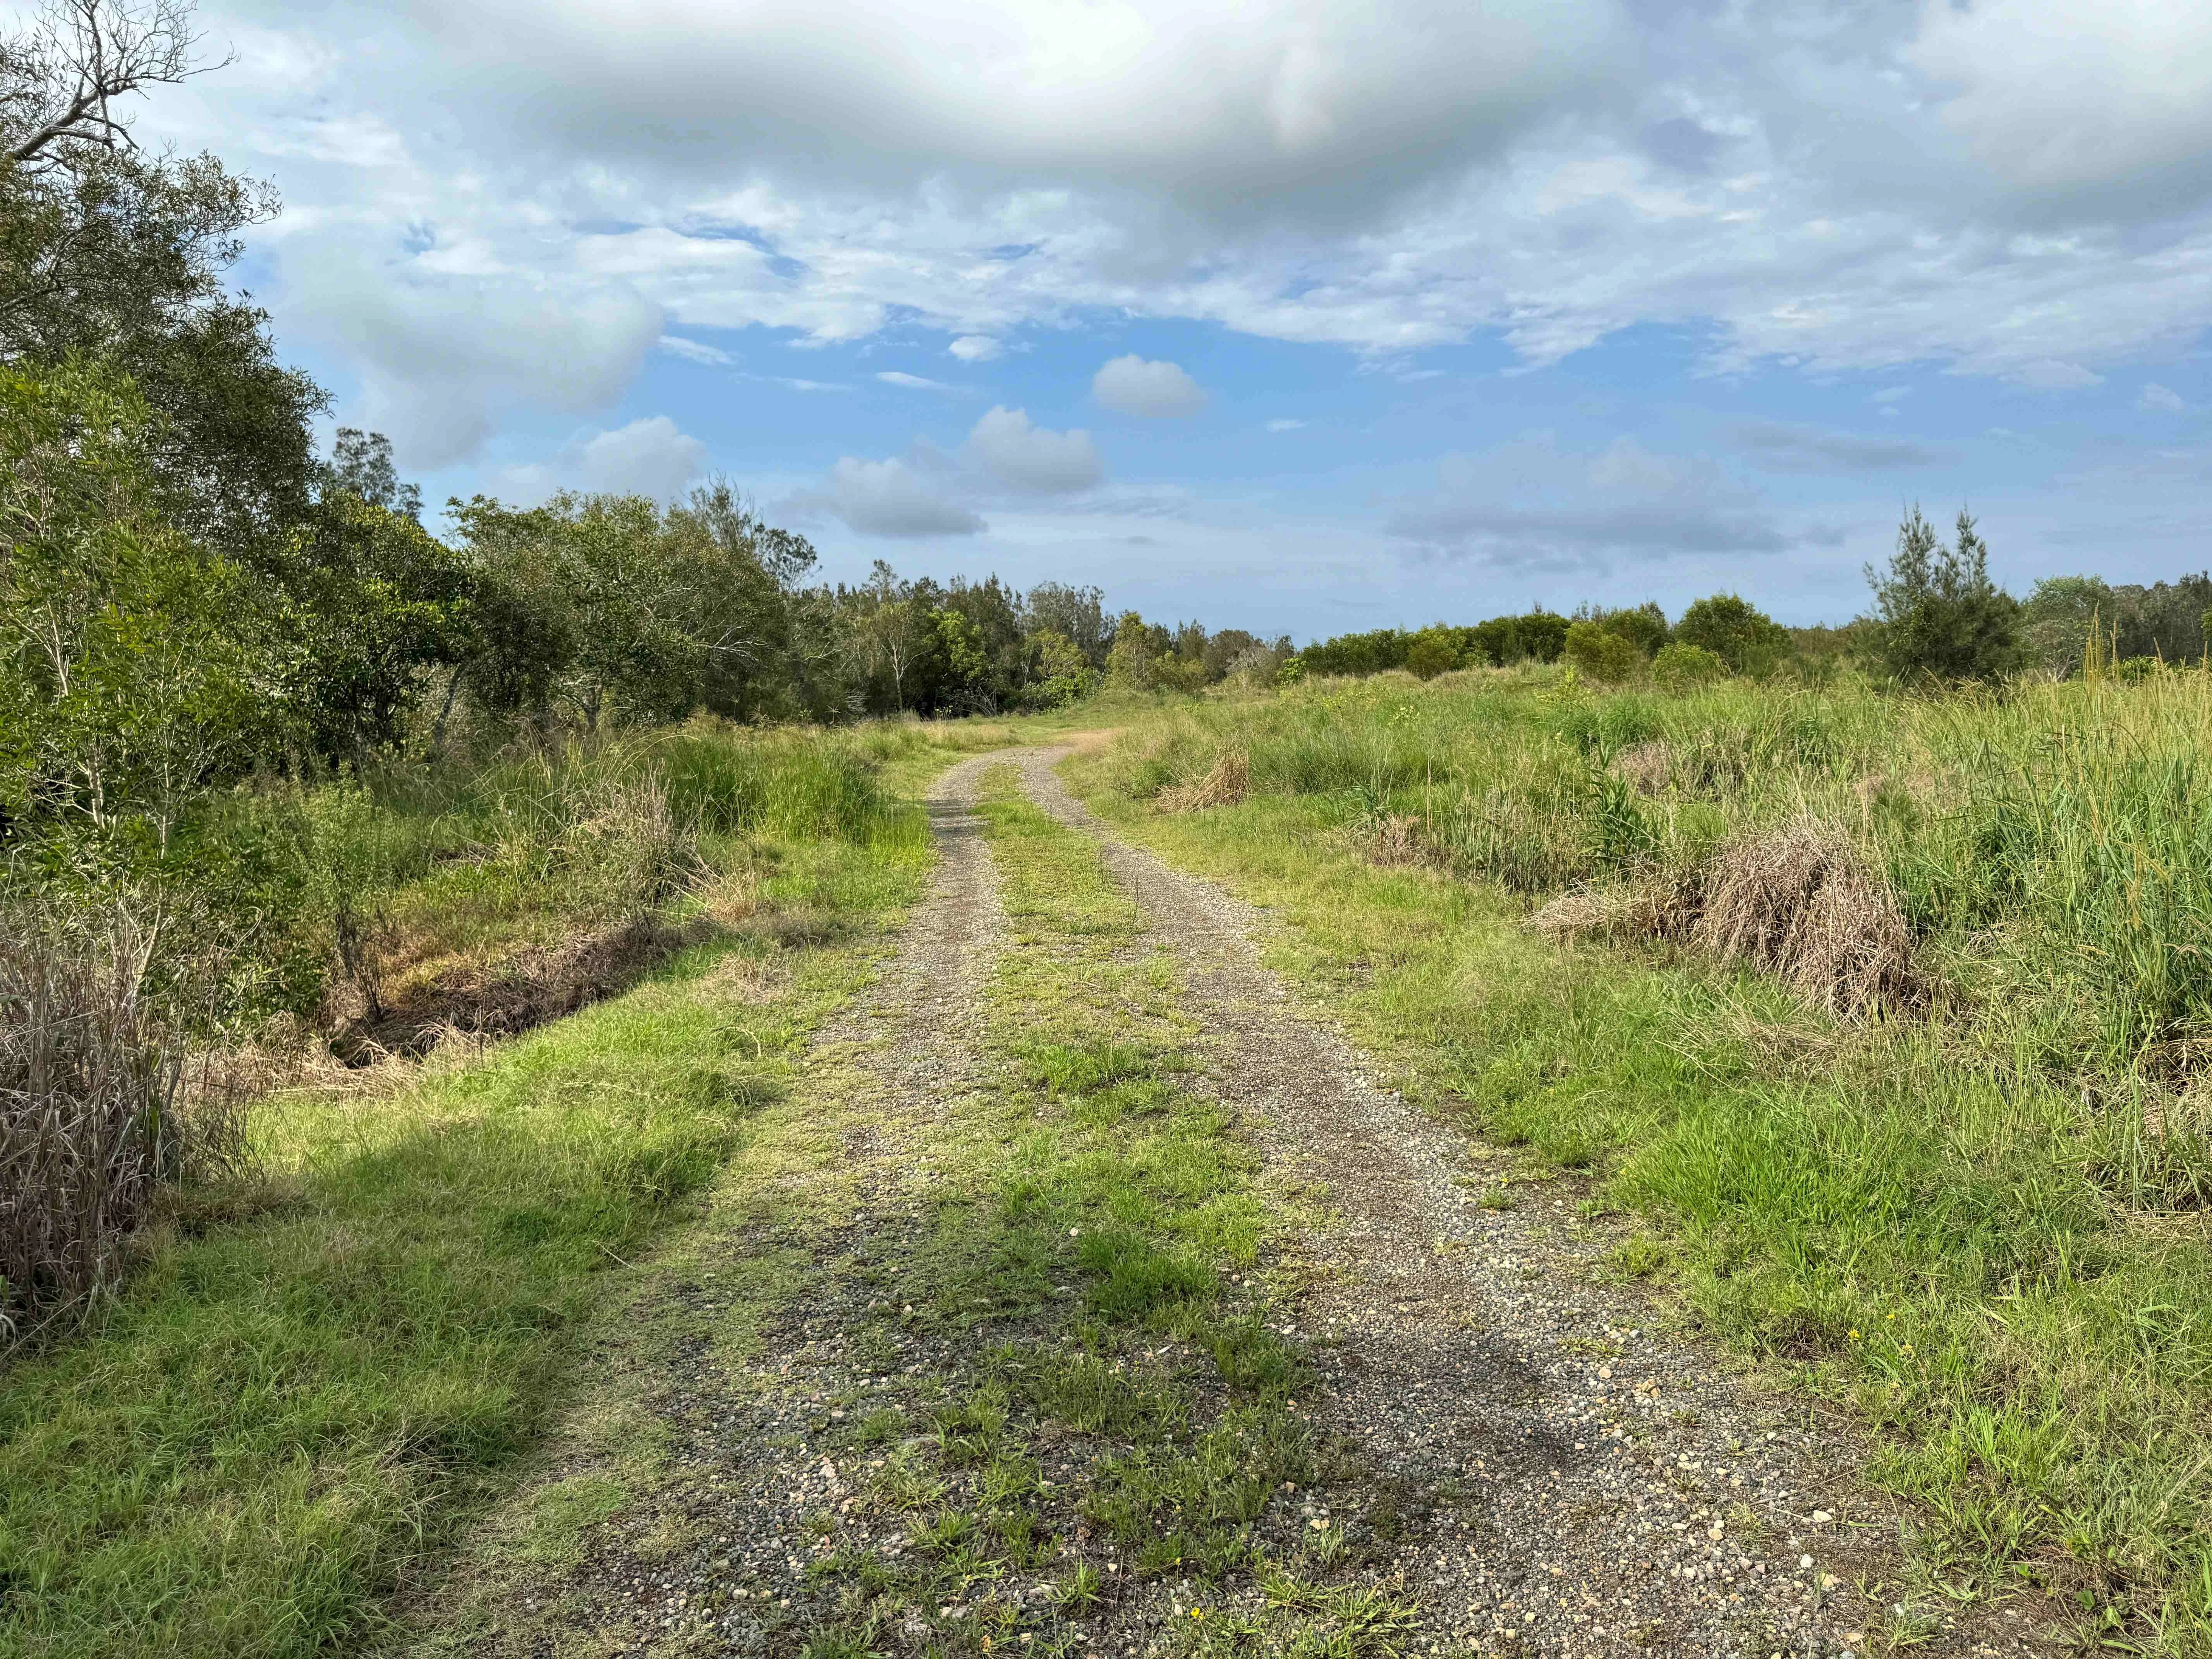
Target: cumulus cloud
[
  {"x": 886, "y": 498},
  {"x": 1132, "y": 386},
  {"x": 2017, "y": 188},
  {"x": 1529, "y": 505},
  {"x": 440, "y": 357},
  {"x": 651, "y": 456},
  {"x": 1779, "y": 447},
  {"x": 1025, "y": 456}
]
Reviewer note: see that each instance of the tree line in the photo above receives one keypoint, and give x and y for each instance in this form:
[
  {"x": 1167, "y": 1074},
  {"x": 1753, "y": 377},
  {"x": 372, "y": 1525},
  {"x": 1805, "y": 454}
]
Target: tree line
[
  {"x": 192, "y": 593},
  {"x": 1937, "y": 617}
]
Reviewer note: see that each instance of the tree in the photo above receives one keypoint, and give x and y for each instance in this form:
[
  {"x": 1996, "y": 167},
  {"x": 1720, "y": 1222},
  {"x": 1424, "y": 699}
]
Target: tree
[
  {"x": 108, "y": 251},
  {"x": 131, "y": 673},
  {"x": 1645, "y": 627},
  {"x": 1937, "y": 615},
  {"x": 1431, "y": 651},
  {"x": 361, "y": 463},
  {"x": 1736, "y": 631},
  {"x": 1077, "y": 615},
  {"x": 375, "y": 603}
]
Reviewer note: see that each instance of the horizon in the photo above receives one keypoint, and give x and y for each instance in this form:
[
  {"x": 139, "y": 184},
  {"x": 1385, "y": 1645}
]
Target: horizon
[{"x": 1308, "y": 323}]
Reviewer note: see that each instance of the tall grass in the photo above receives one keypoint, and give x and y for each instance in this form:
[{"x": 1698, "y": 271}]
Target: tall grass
[
  {"x": 2051, "y": 845},
  {"x": 1980, "y": 1216}
]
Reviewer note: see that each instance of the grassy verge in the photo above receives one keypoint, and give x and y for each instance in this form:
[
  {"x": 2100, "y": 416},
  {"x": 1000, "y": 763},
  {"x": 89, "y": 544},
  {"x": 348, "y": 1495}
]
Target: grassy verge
[
  {"x": 286, "y": 1408},
  {"x": 1934, "y": 1234}
]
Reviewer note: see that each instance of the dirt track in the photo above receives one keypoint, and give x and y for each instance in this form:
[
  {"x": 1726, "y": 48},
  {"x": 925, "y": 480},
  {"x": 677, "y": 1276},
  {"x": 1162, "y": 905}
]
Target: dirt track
[{"x": 1529, "y": 1461}]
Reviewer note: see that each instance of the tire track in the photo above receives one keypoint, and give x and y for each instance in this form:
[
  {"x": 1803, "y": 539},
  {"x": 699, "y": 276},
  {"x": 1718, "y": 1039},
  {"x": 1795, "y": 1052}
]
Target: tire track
[{"x": 1559, "y": 1478}]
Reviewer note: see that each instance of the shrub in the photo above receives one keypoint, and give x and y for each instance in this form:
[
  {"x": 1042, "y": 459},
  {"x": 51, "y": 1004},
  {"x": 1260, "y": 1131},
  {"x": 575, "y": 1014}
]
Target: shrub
[
  {"x": 1431, "y": 654},
  {"x": 1598, "y": 652},
  {"x": 1645, "y": 627},
  {"x": 89, "y": 1080},
  {"x": 1686, "y": 667},
  {"x": 1740, "y": 634}
]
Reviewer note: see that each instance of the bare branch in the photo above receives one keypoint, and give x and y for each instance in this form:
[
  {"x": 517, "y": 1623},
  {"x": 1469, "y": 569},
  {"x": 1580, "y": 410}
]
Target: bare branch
[{"x": 61, "y": 79}]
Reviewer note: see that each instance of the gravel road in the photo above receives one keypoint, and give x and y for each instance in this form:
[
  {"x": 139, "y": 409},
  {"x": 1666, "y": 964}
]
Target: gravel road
[{"x": 1550, "y": 1466}]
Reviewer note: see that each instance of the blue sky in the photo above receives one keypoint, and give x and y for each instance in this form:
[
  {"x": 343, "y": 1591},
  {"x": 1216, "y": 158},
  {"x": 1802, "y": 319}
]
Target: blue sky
[{"x": 1294, "y": 316}]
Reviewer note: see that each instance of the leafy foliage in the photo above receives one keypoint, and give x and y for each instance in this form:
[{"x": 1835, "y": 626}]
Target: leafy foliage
[{"x": 1937, "y": 614}]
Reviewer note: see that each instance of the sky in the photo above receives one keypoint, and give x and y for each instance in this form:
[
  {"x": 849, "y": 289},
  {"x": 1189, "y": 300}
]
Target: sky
[{"x": 1299, "y": 315}]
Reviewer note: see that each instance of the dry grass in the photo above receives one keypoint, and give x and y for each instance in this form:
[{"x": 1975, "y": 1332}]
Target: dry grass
[
  {"x": 1645, "y": 767},
  {"x": 1799, "y": 902},
  {"x": 94, "y": 1114},
  {"x": 1225, "y": 784},
  {"x": 1649, "y": 909}
]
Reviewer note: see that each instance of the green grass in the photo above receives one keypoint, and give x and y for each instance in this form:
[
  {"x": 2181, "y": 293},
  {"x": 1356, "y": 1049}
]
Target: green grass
[
  {"x": 281, "y": 1415},
  {"x": 1959, "y": 1226},
  {"x": 1090, "y": 1206}
]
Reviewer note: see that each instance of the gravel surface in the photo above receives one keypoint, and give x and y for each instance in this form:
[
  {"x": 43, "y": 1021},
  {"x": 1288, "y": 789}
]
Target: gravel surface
[
  {"x": 1631, "y": 1497},
  {"x": 1521, "y": 1451}
]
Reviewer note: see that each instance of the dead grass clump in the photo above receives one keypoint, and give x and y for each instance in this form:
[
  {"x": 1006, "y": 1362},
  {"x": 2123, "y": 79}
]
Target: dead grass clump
[
  {"x": 1649, "y": 909},
  {"x": 1225, "y": 785},
  {"x": 1645, "y": 767},
  {"x": 91, "y": 1119},
  {"x": 1396, "y": 841},
  {"x": 749, "y": 979},
  {"x": 1800, "y": 904}
]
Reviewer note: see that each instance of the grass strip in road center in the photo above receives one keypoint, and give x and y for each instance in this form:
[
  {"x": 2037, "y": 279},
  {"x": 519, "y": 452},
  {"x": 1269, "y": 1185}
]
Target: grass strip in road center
[{"x": 1113, "y": 1438}]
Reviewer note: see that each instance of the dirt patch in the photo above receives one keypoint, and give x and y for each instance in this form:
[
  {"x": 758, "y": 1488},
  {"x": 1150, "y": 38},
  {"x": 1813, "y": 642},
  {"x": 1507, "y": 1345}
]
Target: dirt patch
[{"x": 515, "y": 994}]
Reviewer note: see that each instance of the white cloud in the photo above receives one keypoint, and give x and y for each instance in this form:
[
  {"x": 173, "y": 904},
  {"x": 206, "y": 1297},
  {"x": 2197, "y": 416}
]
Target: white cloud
[
  {"x": 1285, "y": 426},
  {"x": 2165, "y": 399},
  {"x": 697, "y": 351},
  {"x": 914, "y": 382},
  {"x": 1031, "y": 458},
  {"x": 440, "y": 355},
  {"x": 885, "y": 498},
  {"x": 652, "y": 456},
  {"x": 1992, "y": 188},
  {"x": 2052, "y": 374},
  {"x": 1133, "y": 387}
]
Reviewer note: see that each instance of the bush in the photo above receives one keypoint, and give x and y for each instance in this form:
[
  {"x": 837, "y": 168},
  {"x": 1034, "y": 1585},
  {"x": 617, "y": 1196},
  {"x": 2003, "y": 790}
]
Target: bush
[
  {"x": 1601, "y": 655},
  {"x": 1431, "y": 654},
  {"x": 1686, "y": 667},
  {"x": 89, "y": 1079},
  {"x": 1740, "y": 634}
]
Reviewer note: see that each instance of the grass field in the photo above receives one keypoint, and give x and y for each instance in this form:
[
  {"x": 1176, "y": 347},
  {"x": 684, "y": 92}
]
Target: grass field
[
  {"x": 308, "y": 1380},
  {"x": 1975, "y": 1217}
]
